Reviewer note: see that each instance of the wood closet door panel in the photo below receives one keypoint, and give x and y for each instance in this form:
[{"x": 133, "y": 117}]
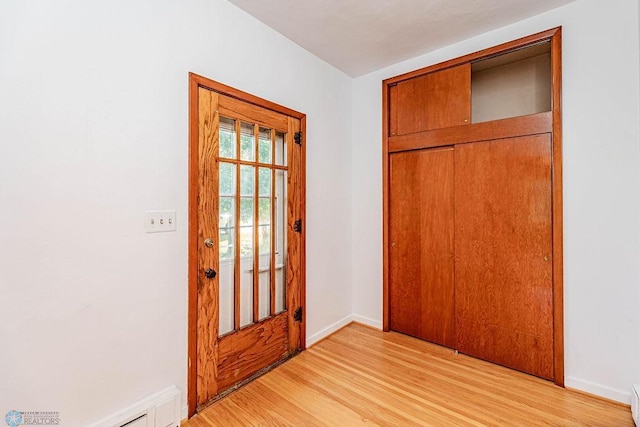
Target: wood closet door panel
[
  {"x": 436, "y": 100},
  {"x": 503, "y": 268},
  {"x": 421, "y": 245}
]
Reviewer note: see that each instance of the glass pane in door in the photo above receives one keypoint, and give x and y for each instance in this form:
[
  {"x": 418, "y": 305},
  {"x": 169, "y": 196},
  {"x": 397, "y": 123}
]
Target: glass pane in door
[
  {"x": 247, "y": 143},
  {"x": 264, "y": 239},
  {"x": 281, "y": 239},
  {"x": 227, "y": 137},
  {"x": 264, "y": 146},
  {"x": 281, "y": 149},
  {"x": 226, "y": 246},
  {"x": 247, "y": 200}
]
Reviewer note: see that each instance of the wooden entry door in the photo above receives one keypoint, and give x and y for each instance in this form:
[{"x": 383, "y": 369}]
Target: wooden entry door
[
  {"x": 503, "y": 265},
  {"x": 246, "y": 238}
]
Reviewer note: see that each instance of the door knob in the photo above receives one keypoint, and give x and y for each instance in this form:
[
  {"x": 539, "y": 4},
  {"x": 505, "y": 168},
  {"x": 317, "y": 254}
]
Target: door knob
[
  {"x": 210, "y": 273},
  {"x": 208, "y": 242}
]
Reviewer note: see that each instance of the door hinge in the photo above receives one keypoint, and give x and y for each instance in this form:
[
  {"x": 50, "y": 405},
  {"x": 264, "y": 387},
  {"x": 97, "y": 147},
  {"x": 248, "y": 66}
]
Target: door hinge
[
  {"x": 297, "y": 316},
  {"x": 297, "y": 226},
  {"x": 297, "y": 137}
]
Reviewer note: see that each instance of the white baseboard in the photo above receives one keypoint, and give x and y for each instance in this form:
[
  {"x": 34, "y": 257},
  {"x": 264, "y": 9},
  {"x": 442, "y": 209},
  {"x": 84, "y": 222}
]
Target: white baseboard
[
  {"x": 368, "y": 321},
  {"x": 598, "y": 390},
  {"x": 312, "y": 339}
]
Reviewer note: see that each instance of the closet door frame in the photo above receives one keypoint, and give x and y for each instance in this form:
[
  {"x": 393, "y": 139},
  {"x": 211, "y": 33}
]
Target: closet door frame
[{"x": 547, "y": 122}]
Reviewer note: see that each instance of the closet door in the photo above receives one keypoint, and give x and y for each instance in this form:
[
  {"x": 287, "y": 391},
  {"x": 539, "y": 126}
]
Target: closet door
[
  {"x": 503, "y": 267},
  {"x": 421, "y": 245}
]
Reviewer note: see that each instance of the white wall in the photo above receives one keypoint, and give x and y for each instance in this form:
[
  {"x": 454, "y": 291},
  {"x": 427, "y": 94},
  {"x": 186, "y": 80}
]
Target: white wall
[
  {"x": 601, "y": 187},
  {"x": 93, "y": 132}
]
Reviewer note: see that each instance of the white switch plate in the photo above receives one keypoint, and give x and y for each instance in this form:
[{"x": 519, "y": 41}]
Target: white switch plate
[{"x": 158, "y": 221}]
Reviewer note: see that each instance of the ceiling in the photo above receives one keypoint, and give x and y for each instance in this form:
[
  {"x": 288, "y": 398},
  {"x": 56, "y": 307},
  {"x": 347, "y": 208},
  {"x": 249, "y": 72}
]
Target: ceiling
[{"x": 360, "y": 36}]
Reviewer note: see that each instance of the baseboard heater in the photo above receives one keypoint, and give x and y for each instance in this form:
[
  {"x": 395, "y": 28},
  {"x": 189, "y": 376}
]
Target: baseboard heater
[
  {"x": 161, "y": 409},
  {"x": 635, "y": 404}
]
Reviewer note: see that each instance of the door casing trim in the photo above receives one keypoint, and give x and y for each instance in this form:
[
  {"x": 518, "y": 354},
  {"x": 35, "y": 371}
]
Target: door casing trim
[{"x": 195, "y": 82}]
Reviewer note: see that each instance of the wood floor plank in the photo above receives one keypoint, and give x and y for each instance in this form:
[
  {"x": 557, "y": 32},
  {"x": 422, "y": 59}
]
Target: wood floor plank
[
  {"x": 387, "y": 397},
  {"x": 364, "y": 377},
  {"x": 308, "y": 397},
  {"x": 502, "y": 408},
  {"x": 358, "y": 402},
  {"x": 418, "y": 386}
]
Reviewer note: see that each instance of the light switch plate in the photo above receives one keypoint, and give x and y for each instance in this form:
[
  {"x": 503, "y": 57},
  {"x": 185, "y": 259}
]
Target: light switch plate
[{"x": 159, "y": 221}]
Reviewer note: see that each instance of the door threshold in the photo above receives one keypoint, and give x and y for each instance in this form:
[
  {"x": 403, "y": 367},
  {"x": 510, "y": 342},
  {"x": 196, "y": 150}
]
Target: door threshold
[{"x": 244, "y": 382}]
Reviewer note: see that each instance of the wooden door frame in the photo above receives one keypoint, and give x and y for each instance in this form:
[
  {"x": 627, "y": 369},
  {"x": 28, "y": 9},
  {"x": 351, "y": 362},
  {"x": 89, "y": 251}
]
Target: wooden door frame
[
  {"x": 195, "y": 82},
  {"x": 524, "y": 125}
]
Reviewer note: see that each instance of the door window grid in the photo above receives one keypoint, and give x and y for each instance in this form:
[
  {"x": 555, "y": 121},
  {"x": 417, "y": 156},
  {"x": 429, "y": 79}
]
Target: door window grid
[
  {"x": 268, "y": 173},
  {"x": 227, "y": 244}
]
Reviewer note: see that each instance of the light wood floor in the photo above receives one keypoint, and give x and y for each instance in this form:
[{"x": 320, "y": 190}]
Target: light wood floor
[{"x": 361, "y": 376}]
